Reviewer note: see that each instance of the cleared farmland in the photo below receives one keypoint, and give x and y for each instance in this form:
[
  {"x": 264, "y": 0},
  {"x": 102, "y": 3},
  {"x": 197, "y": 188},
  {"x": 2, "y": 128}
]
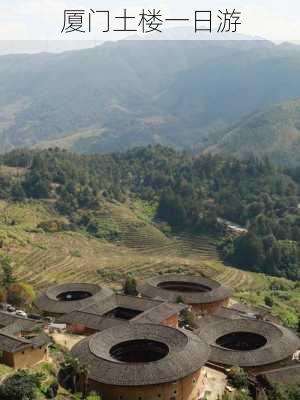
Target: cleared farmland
[{"x": 142, "y": 249}]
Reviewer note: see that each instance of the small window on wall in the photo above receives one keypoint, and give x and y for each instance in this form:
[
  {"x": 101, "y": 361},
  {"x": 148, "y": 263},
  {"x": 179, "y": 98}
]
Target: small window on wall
[
  {"x": 175, "y": 392},
  {"x": 194, "y": 381}
]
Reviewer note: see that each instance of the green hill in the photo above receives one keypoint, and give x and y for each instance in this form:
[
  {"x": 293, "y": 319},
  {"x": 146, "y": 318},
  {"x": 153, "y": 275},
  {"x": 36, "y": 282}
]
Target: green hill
[
  {"x": 66, "y": 217},
  {"x": 273, "y": 132},
  {"x": 44, "y": 258},
  {"x": 130, "y": 93},
  {"x": 180, "y": 193}
]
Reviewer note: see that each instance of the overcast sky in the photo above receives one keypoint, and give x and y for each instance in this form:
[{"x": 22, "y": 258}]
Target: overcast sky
[{"x": 43, "y": 20}]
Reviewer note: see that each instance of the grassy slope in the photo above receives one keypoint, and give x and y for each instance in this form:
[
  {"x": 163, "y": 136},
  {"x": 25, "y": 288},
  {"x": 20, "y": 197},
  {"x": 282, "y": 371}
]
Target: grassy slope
[
  {"x": 272, "y": 132},
  {"x": 47, "y": 258}
]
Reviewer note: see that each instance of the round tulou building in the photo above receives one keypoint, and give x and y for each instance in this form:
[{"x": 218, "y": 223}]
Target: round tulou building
[
  {"x": 202, "y": 294},
  {"x": 63, "y": 299},
  {"x": 143, "y": 362},
  {"x": 251, "y": 344}
]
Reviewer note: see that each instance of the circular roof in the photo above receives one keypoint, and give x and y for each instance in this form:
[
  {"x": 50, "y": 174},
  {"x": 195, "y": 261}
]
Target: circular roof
[
  {"x": 62, "y": 299},
  {"x": 110, "y": 361},
  {"x": 271, "y": 343},
  {"x": 192, "y": 289}
]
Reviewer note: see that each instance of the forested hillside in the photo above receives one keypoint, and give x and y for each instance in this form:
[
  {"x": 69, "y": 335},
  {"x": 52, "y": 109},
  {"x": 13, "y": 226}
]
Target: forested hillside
[
  {"x": 184, "y": 192},
  {"x": 273, "y": 132},
  {"x": 134, "y": 93}
]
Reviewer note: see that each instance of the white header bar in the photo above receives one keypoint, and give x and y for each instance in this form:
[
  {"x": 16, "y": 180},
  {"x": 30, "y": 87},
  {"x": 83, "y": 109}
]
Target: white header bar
[{"x": 96, "y": 20}]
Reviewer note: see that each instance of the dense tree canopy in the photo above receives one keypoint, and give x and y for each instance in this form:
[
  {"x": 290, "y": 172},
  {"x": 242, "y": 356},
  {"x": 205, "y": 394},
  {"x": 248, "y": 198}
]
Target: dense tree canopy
[
  {"x": 21, "y": 386},
  {"x": 192, "y": 192}
]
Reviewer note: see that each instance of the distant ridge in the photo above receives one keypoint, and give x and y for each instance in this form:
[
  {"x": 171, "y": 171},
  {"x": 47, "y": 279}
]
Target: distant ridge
[
  {"x": 273, "y": 132},
  {"x": 185, "y": 94}
]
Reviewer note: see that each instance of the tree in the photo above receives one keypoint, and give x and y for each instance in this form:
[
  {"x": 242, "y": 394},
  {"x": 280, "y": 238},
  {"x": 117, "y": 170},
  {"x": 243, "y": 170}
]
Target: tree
[
  {"x": 262, "y": 395},
  {"x": 36, "y": 185},
  {"x": 21, "y": 386},
  {"x": 7, "y": 277},
  {"x": 279, "y": 391},
  {"x": 237, "y": 395},
  {"x": 238, "y": 378},
  {"x": 249, "y": 251},
  {"x": 171, "y": 209},
  {"x": 268, "y": 301},
  {"x": 72, "y": 372},
  {"x": 20, "y": 294},
  {"x": 187, "y": 318},
  {"x": 52, "y": 389},
  {"x": 298, "y": 326},
  {"x": 242, "y": 395},
  {"x": 17, "y": 192},
  {"x": 179, "y": 300},
  {"x": 130, "y": 286}
]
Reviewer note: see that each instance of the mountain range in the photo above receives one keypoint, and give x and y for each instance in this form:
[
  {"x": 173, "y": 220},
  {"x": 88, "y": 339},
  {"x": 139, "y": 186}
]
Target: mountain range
[{"x": 240, "y": 97}]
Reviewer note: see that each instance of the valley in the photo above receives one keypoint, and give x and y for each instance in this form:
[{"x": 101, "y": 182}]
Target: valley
[{"x": 42, "y": 258}]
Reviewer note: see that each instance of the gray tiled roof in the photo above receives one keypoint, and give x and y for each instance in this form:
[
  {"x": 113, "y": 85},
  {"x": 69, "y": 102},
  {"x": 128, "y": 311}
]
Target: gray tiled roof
[
  {"x": 12, "y": 343},
  {"x": 118, "y": 300},
  {"x": 90, "y": 320},
  {"x": 187, "y": 354},
  {"x": 25, "y": 324},
  {"x": 222, "y": 314},
  {"x": 280, "y": 344},
  {"x": 288, "y": 375},
  {"x": 159, "y": 313},
  {"x": 93, "y": 316},
  {"x": 48, "y": 301},
  {"x": 40, "y": 340},
  {"x": 150, "y": 288}
]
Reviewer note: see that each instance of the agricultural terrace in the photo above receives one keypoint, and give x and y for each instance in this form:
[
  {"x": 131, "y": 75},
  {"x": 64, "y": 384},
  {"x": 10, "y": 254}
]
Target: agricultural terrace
[{"x": 44, "y": 258}]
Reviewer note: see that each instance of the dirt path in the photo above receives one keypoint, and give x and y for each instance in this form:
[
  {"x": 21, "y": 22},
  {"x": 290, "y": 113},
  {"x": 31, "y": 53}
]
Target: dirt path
[
  {"x": 215, "y": 383},
  {"x": 66, "y": 340}
]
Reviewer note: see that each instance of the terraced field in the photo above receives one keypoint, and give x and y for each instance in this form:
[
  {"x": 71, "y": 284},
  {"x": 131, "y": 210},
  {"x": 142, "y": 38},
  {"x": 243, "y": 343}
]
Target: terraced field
[
  {"x": 145, "y": 238},
  {"x": 43, "y": 258},
  {"x": 241, "y": 280}
]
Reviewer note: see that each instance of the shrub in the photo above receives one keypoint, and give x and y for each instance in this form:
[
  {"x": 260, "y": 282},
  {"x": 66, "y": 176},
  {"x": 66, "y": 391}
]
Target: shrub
[
  {"x": 238, "y": 378},
  {"x": 268, "y": 301},
  {"x": 130, "y": 286},
  {"x": 20, "y": 294},
  {"x": 187, "y": 318},
  {"x": 93, "y": 396},
  {"x": 21, "y": 386},
  {"x": 75, "y": 253}
]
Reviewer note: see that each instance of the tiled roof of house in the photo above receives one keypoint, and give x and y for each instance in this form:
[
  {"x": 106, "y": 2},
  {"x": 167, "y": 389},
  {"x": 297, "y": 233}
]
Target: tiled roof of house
[
  {"x": 89, "y": 320},
  {"x": 288, "y": 375},
  {"x": 49, "y": 301},
  {"x": 280, "y": 342},
  {"x": 12, "y": 343},
  {"x": 24, "y": 324},
  {"x": 94, "y": 316},
  {"x": 186, "y": 353},
  {"x": 212, "y": 290}
]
